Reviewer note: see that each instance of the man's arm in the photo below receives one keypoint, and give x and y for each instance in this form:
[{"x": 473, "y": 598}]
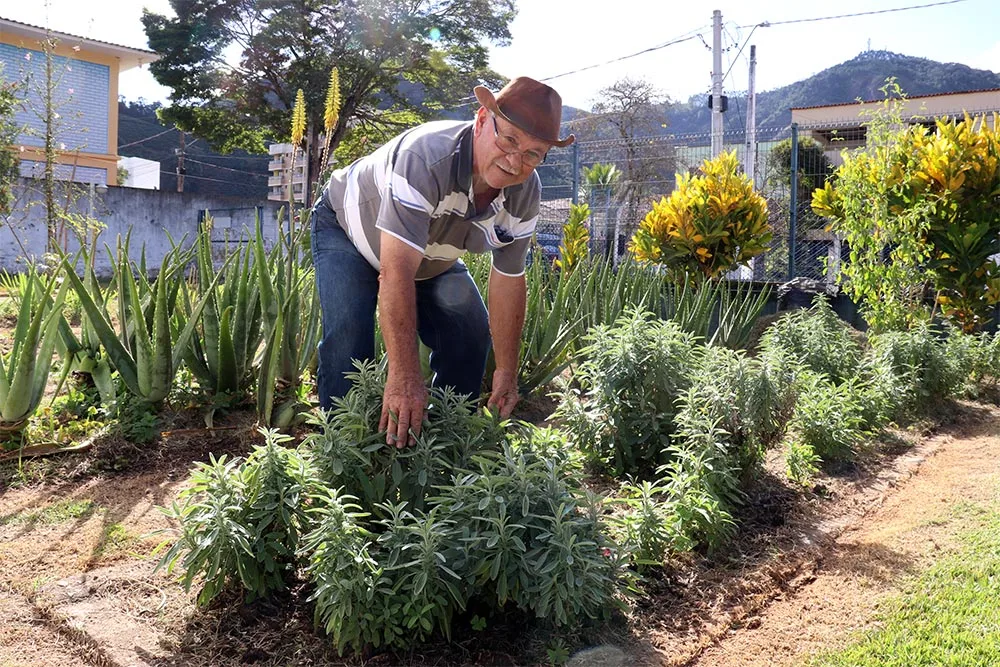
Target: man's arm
[
  {"x": 405, "y": 399},
  {"x": 507, "y": 296}
]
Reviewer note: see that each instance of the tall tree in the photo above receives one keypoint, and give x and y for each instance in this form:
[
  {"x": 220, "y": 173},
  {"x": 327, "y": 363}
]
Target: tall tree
[
  {"x": 234, "y": 66},
  {"x": 631, "y": 111}
]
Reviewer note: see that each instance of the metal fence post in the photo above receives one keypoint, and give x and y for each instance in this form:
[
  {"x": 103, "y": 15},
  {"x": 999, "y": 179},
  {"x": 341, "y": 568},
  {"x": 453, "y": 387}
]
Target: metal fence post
[
  {"x": 576, "y": 173},
  {"x": 793, "y": 215}
]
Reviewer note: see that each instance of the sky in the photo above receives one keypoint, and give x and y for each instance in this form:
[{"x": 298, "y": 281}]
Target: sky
[{"x": 554, "y": 37}]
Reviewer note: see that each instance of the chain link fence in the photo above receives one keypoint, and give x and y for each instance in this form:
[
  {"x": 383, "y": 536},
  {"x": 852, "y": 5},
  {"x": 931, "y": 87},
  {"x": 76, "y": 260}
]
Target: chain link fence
[{"x": 644, "y": 171}]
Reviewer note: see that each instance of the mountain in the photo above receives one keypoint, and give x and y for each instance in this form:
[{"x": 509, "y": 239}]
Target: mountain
[
  {"x": 860, "y": 77},
  {"x": 237, "y": 174}
]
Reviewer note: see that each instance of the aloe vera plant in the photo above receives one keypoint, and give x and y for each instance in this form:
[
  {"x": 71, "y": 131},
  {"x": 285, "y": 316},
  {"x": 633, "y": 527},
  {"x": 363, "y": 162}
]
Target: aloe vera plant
[
  {"x": 291, "y": 319},
  {"x": 84, "y": 353},
  {"x": 24, "y": 371},
  {"x": 222, "y": 349},
  {"x": 146, "y": 351}
]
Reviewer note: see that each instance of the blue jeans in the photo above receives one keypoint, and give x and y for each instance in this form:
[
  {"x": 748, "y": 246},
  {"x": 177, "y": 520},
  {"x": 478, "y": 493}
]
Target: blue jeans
[{"x": 451, "y": 318}]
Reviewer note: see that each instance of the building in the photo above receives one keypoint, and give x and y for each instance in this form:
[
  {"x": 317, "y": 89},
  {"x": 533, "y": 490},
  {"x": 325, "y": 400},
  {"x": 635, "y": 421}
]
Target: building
[
  {"x": 841, "y": 126},
  {"x": 137, "y": 172},
  {"x": 281, "y": 167},
  {"x": 84, "y": 95}
]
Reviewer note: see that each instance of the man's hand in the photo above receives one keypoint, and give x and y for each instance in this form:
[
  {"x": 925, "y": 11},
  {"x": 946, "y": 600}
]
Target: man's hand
[
  {"x": 504, "y": 396},
  {"x": 404, "y": 405},
  {"x": 405, "y": 398}
]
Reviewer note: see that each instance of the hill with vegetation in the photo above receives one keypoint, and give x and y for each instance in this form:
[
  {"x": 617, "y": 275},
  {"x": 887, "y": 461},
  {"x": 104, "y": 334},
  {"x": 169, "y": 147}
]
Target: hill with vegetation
[{"x": 861, "y": 77}]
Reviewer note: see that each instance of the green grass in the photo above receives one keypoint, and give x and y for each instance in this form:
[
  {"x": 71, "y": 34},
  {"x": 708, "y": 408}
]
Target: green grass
[
  {"x": 949, "y": 615},
  {"x": 64, "y": 510},
  {"x": 115, "y": 539}
]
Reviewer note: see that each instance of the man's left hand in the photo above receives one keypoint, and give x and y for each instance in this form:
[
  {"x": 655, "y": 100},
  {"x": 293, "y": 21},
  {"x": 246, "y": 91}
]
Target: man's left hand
[{"x": 504, "y": 396}]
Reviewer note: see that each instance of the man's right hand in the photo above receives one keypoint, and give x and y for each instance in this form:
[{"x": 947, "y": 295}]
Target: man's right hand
[
  {"x": 404, "y": 406},
  {"x": 404, "y": 401}
]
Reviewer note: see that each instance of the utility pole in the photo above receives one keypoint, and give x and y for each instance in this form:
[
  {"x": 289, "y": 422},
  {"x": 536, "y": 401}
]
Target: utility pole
[
  {"x": 717, "y": 101},
  {"x": 179, "y": 152},
  {"x": 750, "y": 154}
]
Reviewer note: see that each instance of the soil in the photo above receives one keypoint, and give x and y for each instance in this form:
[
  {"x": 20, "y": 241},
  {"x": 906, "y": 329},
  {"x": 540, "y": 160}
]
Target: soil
[{"x": 807, "y": 572}]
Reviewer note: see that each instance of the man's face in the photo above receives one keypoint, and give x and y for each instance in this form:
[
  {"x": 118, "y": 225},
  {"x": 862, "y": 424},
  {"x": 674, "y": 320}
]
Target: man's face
[{"x": 503, "y": 154}]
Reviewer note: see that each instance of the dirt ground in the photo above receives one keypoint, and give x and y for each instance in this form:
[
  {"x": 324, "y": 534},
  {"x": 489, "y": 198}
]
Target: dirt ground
[{"x": 807, "y": 573}]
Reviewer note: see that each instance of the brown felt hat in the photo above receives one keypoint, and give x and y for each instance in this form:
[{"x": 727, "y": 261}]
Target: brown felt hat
[{"x": 530, "y": 105}]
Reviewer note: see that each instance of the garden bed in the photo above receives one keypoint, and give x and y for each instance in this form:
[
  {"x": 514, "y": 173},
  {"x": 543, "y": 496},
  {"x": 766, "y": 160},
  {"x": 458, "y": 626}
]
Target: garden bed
[{"x": 79, "y": 586}]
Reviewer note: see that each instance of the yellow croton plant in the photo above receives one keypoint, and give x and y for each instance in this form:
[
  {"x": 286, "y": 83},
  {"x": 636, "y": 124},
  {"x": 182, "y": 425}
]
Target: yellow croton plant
[
  {"x": 709, "y": 224},
  {"x": 948, "y": 180}
]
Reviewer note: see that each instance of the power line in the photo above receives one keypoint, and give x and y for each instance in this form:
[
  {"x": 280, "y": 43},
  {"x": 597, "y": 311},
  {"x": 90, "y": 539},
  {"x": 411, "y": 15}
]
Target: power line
[
  {"x": 217, "y": 166},
  {"x": 672, "y": 42},
  {"x": 745, "y": 42},
  {"x": 160, "y": 134},
  {"x": 232, "y": 157},
  {"x": 768, "y": 24},
  {"x": 203, "y": 178},
  {"x": 691, "y": 34}
]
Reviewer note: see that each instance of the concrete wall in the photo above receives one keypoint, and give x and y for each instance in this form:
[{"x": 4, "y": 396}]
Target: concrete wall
[{"x": 150, "y": 215}]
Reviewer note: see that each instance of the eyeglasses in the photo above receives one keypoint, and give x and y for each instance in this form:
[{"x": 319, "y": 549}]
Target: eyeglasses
[{"x": 508, "y": 145}]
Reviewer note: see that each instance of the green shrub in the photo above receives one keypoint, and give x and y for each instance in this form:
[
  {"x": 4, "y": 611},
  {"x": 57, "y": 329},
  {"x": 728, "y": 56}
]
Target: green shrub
[
  {"x": 829, "y": 417},
  {"x": 347, "y": 579},
  {"x": 240, "y": 521},
  {"x": 472, "y": 511},
  {"x": 883, "y": 391},
  {"x": 972, "y": 358},
  {"x": 516, "y": 529},
  {"x": 630, "y": 376},
  {"x": 818, "y": 338},
  {"x": 647, "y": 523},
  {"x": 801, "y": 462},
  {"x": 752, "y": 399},
  {"x": 535, "y": 537},
  {"x": 701, "y": 481},
  {"x": 351, "y": 453},
  {"x": 920, "y": 358}
]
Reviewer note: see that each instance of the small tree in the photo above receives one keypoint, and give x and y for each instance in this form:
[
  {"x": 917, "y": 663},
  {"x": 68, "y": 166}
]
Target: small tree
[
  {"x": 813, "y": 168},
  {"x": 630, "y": 111},
  {"x": 920, "y": 212},
  {"x": 708, "y": 225},
  {"x": 8, "y": 133}
]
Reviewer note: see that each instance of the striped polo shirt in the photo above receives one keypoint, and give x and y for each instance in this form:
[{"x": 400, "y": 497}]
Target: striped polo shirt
[{"x": 418, "y": 187}]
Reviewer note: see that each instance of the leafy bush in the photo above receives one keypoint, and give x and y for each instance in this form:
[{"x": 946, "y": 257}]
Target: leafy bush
[
  {"x": 819, "y": 339},
  {"x": 919, "y": 209},
  {"x": 647, "y": 523},
  {"x": 515, "y": 529},
  {"x": 801, "y": 461},
  {"x": 470, "y": 512},
  {"x": 630, "y": 376},
  {"x": 920, "y": 358},
  {"x": 752, "y": 399},
  {"x": 351, "y": 454},
  {"x": 829, "y": 418},
  {"x": 883, "y": 391},
  {"x": 240, "y": 521},
  {"x": 700, "y": 482},
  {"x": 973, "y": 357}
]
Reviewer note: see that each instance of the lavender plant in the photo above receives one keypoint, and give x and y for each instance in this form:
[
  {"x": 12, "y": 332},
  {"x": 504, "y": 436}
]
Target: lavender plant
[
  {"x": 819, "y": 339},
  {"x": 240, "y": 521},
  {"x": 629, "y": 378}
]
